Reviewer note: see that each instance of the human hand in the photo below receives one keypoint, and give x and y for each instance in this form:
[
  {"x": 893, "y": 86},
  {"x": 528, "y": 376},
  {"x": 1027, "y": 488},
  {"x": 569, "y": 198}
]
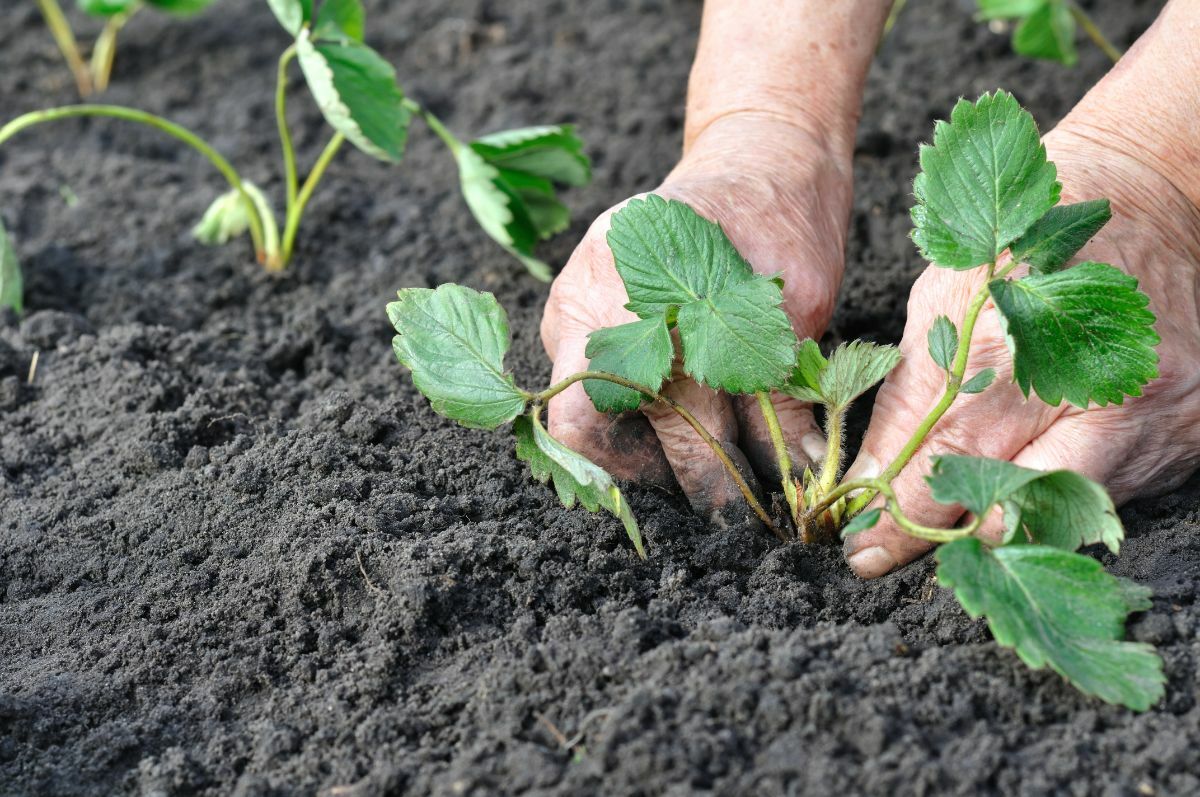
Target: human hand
[{"x": 1148, "y": 445}]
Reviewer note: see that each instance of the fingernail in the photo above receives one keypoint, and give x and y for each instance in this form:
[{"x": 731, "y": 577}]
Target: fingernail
[
  {"x": 872, "y": 562},
  {"x": 814, "y": 446},
  {"x": 864, "y": 467}
]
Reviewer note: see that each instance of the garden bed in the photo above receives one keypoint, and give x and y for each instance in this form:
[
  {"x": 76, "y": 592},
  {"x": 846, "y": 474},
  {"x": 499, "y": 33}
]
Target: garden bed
[{"x": 239, "y": 554}]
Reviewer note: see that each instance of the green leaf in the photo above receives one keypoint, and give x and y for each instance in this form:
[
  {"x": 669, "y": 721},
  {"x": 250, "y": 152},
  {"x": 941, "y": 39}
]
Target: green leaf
[
  {"x": 980, "y": 382},
  {"x": 1049, "y": 33},
  {"x": 12, "y": 291},
  {"x": 862, "y": 522},
  {"x": 1056, "y": 237},
  {"x": 106, "y": 8},
  {"x": 499, "y": 210},
  {"x": 228, "y": 216},
  {"x": 180, "y": 8},
  {"x": 738, "y": 339},
  {"x": 1083, "y": 334},
  {"x": 982, "y": 184},
  {"x": 551, "y": 152},
  {"x": 292, "y": 14},
  {"x": 454, "y": 340},
  {"x": 341, "y": 16},
  {"x": 640, "y": 351},
  {"x": 575, "y": 477},
  {"x": 943, "y": 342},
  {"x": 851, "y": 370},
  {"x": 548, "y": 215},
  {"x": 977, "y": 483},
  {"x": 1065, "y": 510},
  {"x": 1056, "y": 609},
  {"x": 1008, "y": 9},
  {"x": 356, "y": 90}
]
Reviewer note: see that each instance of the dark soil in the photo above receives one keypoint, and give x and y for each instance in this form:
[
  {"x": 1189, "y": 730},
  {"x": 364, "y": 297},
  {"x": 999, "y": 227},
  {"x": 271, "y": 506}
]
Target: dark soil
[{"x": 240, "y": 555}]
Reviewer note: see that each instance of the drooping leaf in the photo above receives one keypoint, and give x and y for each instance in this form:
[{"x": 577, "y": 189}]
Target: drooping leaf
[
  {"x": 228, "y": 216},
  {"x": 1065, "y": 510},
  {"x": 341, "y": 16},
  {"x": 1049, "y": 33},
  {"x": 980, "y": 382},
  {"x": 1008, "y": 9},
  {"x": 851, "y": 370},
  {"x": 943, "y": 342},
  {"x": 1056, "y": 237},
  {"x": 640, "y": 351},
  {"x": 508, "y": 182},
  {"x": 12, "y": 290},
  {"x": 674, "y": 262},
  {"x": 1056, "y": 609},
  {"x": 977, "y": 483},
  {"x": 983, "y": 183},
  {"x": 1084, "y": 334},
  {"x": 738, "y": 339},
  {"x": 356, "y": 91},
  {"x": 575, "y": 477},
  {"x": 862, "y": 522},
  {"x": 292, "y": 14},
  {"x": 454, "y": 340}
]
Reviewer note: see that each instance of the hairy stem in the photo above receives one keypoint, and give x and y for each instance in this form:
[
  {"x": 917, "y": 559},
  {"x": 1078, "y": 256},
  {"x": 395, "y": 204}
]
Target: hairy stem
[
  {"x": 296, "y": 212},
  {"x": 691, "y": 421},
  {"x": 782, "y": 458},
  {"x": 285, "y": 135},
  {"x": 953, "y": 385},
  {"x": 835, "y": 425},
  {"x": 104, "y": 52},
  {"x": 257, "y": 221},
  {"x": 64, "y": 37},
  {"x": 1094, "y": 33},
  {"x": 434, "y": 124},
  {"x": 892, "y": 507}
]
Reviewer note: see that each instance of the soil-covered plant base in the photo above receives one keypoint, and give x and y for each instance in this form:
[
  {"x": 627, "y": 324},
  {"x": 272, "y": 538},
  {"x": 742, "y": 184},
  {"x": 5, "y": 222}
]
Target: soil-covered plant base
[{"x": 240, "y": 555}]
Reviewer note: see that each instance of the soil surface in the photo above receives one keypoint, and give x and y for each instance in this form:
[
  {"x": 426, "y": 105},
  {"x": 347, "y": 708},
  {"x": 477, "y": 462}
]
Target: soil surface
[{"x": 239, "y": 555}]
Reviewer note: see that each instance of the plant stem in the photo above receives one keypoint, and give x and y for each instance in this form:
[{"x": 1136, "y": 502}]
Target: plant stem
[
  {"x": 953, "y": 384},
  {"x": 835, "y": 424},
  {"x": 909, "y": 526},
  {"x": 893, "y": 15},
  {"x": 296, "y": 211},
  {"x": 782, "y": 458},
  {"x": 691, "y": 421},
  {"x": 1094, "y": 33},
  {"x": 104, "y": 52},
  {"x": 435, "y": 124},
  {"x": 28, "y": 120},
  {"x": 285, "y": 135},
  {"x": 64, "y": 37}
]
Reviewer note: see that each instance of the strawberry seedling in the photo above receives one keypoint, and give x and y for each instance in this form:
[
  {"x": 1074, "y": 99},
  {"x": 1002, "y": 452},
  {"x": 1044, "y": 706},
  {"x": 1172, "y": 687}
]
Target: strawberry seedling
[
  {"x": 508, "y": 179},
  {"x": 1046, "y": 28},
  {"x": 1081, "y": 334}
]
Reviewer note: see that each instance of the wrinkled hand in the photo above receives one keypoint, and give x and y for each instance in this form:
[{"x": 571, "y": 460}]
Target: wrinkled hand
[
  {"x": 1146, "y": 446},
  {"x": 784, "y": 200}
]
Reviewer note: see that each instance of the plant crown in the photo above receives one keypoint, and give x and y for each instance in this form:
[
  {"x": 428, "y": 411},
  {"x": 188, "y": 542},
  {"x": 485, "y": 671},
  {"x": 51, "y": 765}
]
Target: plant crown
[{"x": 1081, "y": 334}]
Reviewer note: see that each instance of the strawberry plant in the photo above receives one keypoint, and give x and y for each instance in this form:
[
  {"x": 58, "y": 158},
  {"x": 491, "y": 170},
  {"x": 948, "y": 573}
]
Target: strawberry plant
[
  {"x": 1046, "y": 28},
  {"x": 1081, "y": 334},
  {"x": 92, "y": 76},
  {"x": 508, "y": 179}
]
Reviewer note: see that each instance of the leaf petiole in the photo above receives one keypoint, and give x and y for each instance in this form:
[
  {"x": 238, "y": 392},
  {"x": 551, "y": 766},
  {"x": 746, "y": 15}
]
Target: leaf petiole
[
  {"x": 440, "y": 130},
  {"x": 1094, "y": 33},
  {"x": 285, "y": 135},
  {"x": 104, "y": 52},
  {"x": 782, "y": 458},
  {"x": 296, "y": 211},
  {"x": 64, "y": 37}
]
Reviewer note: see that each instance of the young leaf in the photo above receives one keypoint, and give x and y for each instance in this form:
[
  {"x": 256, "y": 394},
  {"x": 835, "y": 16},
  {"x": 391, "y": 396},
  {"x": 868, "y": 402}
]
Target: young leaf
[
  {"x": 1008, "y": 9},
  {"x": 1083, "y": 334},
  {"x": 640, "y": 351},
  {"x": 575, "y": 477},
  {"x": 341, "y": 16},
  {"x": 1049, "y": 33},
  {"x": 1056, "y": 609},
  {"x": 1065, "y": 510},
  {"x": 943, "y": 342},
  {"x": 862, "y": 522},
  {"x": 977, "y": 483},
  {"x": 851, "y": 370},
  {"x": 454, "y": 340},
  {"x": 356, "y": 91},
  {"x": 228, "y": 216},
  {"x": 11, "y": 286},
  {"x": 292, "y": 14},
  {"x": 111, "y": 8},
  {"x": 734, "y": 333},
  {"x": 508, "y": 182},
  {"x": 982, "y": 184},
  {"x": 1056, "y": 237},
  {"x": 980, "y": 382}
]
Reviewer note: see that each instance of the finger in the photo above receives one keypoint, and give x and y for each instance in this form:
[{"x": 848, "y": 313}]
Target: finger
[
  {"x": 709, "y": 487},
  {"x": 997, "y": 424},
  {"x": 625, "y": 445},
  {"x": 801, "y": 436}
]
